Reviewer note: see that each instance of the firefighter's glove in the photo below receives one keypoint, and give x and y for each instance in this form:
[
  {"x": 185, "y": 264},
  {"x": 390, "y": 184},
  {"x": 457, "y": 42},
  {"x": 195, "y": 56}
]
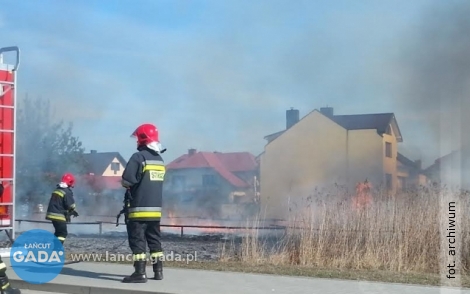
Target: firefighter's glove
[{"x": 74, "y": 213}]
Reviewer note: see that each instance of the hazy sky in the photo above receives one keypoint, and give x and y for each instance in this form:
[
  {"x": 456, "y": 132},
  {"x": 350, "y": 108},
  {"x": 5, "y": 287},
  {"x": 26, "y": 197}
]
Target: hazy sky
[{"x": 216, "y": 75}]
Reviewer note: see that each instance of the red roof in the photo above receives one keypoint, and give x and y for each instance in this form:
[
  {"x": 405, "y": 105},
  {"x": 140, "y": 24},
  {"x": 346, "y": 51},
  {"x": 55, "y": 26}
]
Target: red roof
[
  {"x": 238, "y": 161},
  {"x": 224, "y": 163}
]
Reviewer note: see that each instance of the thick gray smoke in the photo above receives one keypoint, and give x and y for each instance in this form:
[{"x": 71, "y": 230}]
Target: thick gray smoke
[
  {"x": 46, "y": 150},
  {"x": 437, "y": 73}
]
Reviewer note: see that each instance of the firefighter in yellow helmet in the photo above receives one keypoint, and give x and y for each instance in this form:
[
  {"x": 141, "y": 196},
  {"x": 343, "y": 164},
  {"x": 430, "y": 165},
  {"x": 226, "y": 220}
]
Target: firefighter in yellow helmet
[{"x": 143, "y": 177}]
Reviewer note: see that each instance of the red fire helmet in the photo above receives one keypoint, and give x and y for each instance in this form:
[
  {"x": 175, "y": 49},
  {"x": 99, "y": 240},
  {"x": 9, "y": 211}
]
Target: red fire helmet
[
  {"x": 68, "y": 179},
  {"x": 146, "y": 134}
]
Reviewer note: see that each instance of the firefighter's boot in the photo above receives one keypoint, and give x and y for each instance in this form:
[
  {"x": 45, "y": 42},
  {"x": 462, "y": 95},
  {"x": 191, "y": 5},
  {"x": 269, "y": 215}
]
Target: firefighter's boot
[
  {"x": 60, "y": 248},
  {"x": 158, "y": 269},
  {"x": 56, "y": 246},
  {"x": 6, "y": 288},
  {"x": 139, "y": 275}
]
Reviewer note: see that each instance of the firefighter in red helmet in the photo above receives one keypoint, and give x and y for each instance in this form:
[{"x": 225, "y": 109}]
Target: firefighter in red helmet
[
  {"x": 62, "y": 206},
  {"x": 143, "y": 177},
  {"x": 5, "y": 287}
]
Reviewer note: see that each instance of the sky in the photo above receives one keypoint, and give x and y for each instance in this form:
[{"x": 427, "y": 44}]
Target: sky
[{"x": 219, "y": 75}]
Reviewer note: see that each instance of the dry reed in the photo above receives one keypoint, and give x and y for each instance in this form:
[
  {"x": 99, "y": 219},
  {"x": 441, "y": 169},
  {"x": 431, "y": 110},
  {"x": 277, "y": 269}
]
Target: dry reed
[{"x": 398, "y": 233}]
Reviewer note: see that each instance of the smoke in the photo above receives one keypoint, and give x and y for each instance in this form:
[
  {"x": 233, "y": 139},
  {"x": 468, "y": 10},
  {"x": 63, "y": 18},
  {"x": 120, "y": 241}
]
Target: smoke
[
  {"x": 436, "y": 69},
  {"x": 206, "y": 207},
  {"x": 240, "y": 63},
  {"x": 46, "y": 150},
  {"x": 438, "y": 91},
  {"x": 226, "y": 88}
]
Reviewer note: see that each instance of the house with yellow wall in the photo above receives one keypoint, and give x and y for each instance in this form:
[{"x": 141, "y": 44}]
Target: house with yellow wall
[
  {"x": 105, "y": 164},
  {"x": 322, "y": 149},
  {"x": 100, "y": 184},
  {"x": 104, "y": 169}
]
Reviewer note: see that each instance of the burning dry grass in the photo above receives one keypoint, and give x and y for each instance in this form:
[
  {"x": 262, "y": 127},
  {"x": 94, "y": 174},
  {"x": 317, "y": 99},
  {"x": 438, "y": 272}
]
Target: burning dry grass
[{"x": 398, "y": 234}]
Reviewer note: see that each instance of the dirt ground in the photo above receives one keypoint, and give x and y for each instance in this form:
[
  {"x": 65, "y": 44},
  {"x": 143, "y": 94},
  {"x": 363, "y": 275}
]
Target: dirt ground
[
  {"x": 205, "y": 247},
  {"x": 205, "y": 243}
]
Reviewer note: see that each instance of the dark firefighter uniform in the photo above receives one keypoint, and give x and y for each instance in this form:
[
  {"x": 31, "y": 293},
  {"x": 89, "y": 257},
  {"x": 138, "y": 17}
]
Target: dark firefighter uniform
[
  {"x": 61, "y": 207},
  {"x": 5, "y": 287},
  {"x": 143, "y": 176},
  {"x": 4, "y": 282}
]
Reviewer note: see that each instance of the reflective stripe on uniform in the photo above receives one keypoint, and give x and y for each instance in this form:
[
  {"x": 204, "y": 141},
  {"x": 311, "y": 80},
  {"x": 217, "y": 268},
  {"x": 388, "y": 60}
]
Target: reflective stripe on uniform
[
  {"x": 156, "y": 169},
  {"x": 2, "y": 266},
  {"x": 55, "y": 216},
  {"x": 5, "y": 286},
  {"x": 61, "y": 238},
  {"x": 72, "y": 206},
  {"x": 60, "y": 193},
  {"x": 158, "y": 162},
  {"x": 156, "y": 254},
  {"x": 153, "y": 165},
  {"x": 139, "y": 257},
  {"x": 136, "y": 209},
  {"x": 145, "y": 212}
]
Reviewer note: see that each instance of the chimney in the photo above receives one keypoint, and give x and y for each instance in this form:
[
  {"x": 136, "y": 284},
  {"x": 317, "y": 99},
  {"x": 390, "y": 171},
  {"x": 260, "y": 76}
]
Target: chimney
[
  {"x": 93, "y": 151},
  {"x": 292, "y": 117},
  {"x": 191, "y": 151},
  {"x": 327, "y": 111}
]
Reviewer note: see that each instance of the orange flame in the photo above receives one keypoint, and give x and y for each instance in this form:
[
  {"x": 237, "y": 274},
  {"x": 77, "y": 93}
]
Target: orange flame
[{"x": 363, "y": 197}]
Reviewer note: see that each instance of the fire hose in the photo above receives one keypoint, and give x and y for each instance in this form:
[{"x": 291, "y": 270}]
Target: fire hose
[
  {"x": 69, "y": 214},
  {"x": 124, "y": 210}
]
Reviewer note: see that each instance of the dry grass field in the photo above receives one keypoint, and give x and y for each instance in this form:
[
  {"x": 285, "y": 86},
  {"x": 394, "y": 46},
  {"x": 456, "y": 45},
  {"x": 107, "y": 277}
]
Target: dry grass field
[{"x": 401, "y": 233}]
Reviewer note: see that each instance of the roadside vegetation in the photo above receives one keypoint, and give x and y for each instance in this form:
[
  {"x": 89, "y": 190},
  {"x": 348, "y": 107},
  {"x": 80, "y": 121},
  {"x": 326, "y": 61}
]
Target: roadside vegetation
[{"x": 400, "y": 238}]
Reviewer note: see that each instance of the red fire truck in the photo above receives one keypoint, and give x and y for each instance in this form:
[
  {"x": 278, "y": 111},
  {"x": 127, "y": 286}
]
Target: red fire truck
[{"x": 8, "y": 87}]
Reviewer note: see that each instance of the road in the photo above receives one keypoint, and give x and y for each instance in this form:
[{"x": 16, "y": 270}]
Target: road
[{"x": 103, "y": 278}]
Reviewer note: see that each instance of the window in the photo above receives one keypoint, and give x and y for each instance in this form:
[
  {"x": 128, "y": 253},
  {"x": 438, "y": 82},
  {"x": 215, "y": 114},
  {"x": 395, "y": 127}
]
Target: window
[
  {"x": 388, "y": 149},
  {"x": 209, "y": 180},
  {"x": 388, "y": 181},
  {"x": 115, "y": 167}
]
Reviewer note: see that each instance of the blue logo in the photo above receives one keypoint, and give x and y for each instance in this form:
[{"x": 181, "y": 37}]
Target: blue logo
[{"x": 37, "y": 256}]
